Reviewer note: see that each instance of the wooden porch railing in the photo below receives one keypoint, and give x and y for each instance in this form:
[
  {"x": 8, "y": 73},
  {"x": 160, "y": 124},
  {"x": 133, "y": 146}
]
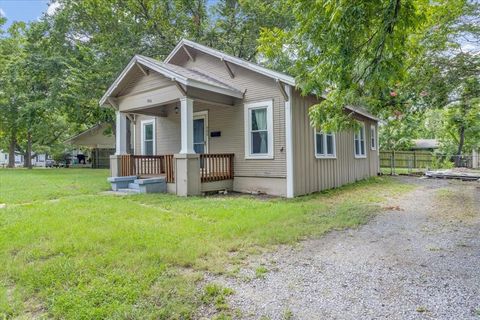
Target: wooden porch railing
[
  {"x": 142, "y": 165},
  {"x": 216, "y": 167}
]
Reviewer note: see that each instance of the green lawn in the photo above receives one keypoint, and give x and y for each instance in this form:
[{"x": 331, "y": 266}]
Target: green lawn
[
  {"x": 69, "y": 251},
  {"x": 417, "y": 171}
]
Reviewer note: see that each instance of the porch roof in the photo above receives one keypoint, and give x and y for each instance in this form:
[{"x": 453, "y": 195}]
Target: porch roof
[
  {"x": 93, "y": 137},
  {"x": 184, "y": 76}
]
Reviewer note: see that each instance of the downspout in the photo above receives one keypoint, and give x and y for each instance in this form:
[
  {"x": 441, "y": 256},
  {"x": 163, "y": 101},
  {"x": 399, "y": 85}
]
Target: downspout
[{"x": 289, "y": 141}]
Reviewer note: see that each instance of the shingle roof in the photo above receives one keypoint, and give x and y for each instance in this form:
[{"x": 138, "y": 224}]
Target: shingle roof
[
  {"x": 425, "y": 144},
  {"x": 191, "y": 74},
  {"x": 235, "y": 60}
]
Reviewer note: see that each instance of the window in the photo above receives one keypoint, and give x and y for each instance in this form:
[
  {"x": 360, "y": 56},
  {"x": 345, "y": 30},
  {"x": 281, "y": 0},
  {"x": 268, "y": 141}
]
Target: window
[
  {"x": 259, "y": 130},
  {"x": 359, "y": 142},
  {"x": 373, "y": 137},
  {"x": 148, "y": 137},
  {"x": 324, "y": 145}
]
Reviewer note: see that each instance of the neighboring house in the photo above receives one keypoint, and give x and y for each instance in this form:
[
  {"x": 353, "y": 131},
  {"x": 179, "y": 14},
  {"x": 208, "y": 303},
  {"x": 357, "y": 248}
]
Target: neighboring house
[
  {"x": 425, "y": 144},
  {"x": 100, "y": 146},
  {"x": 4, "y": 158},
  {"x": 209, "y": 121},
  {"x": 38, "y": 160}
]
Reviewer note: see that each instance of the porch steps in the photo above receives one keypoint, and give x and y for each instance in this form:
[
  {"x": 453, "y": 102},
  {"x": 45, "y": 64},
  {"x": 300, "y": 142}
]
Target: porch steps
[{"x": 132, "y": 184}]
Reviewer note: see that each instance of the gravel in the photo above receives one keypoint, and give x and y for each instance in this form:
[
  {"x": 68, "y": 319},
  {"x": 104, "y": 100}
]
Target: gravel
[{"x": 420, "y": 259}]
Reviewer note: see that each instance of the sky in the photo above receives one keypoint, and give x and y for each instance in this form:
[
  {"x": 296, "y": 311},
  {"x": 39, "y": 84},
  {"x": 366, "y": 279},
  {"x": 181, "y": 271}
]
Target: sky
[{"x": 22, "y": 10}]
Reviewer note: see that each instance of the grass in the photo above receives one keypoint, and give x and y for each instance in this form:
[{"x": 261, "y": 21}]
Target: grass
[
  {"x": 23, "y": 185},
  {"x": 69, "y": 251},
  {"x": 403, "y": 171},
  {"x": 261, "y": 272}
]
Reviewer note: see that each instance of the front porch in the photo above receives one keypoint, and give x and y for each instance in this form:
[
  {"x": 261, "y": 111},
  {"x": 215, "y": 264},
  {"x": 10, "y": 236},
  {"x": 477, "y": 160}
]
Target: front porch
[{"x": 215, "y": 171}]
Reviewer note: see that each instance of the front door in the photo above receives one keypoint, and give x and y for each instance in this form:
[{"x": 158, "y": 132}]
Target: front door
[{"x": 200, "y": 129}]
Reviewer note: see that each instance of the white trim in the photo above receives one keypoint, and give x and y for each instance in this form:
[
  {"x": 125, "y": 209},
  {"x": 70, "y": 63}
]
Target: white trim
[
  {"x": 120, "y": 133},
  {"x": 186, "y": 125},
  {"x": 134, "y": 136},
  {"x": 268, "y": 104},
  {"x": 289, "y": 142},
  {"x": 142, "y": 135},
  {"x": 203, "y": 115},
  {"x": 237, "y": 61},
  {"x": 360, "y": 156},
  {"x": 324, "y": 155},
  {"x": 374, "y": 136}
]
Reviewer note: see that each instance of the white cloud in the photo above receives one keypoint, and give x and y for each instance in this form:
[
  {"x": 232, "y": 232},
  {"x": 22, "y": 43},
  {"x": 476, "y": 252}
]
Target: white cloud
[
  {"x": 52, "y": 8},
  {"x": 2, "y": 13}
]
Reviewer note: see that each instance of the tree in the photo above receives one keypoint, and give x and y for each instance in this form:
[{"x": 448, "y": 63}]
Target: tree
[
  {"x": 463, "y": 118},
  {"x": 237, "y": 24},
  {"x": 354, "y": 52},
  {"x": 12, "y": 84}
]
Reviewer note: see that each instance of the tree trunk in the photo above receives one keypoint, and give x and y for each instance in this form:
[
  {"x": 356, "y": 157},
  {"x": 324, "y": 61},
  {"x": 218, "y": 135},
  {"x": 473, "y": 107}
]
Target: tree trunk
[
  {"x": 11, "y": 152},
  {"x": 28, "y": 154},
  {"x": 460, "y": 146}
]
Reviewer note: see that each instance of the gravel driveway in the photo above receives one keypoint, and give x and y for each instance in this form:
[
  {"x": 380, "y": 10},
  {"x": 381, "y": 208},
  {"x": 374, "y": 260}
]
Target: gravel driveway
[{"x": 419, "y": 259}]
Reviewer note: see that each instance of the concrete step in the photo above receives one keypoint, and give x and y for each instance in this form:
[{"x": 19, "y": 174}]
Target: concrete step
[
  {"x": 134, "y": 186},
  {"x": 150, "y": 180}
]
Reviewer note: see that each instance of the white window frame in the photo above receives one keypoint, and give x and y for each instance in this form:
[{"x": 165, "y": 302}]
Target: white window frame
[
  {"x": 325, "y": 155},
  {"x": 203, "y": 115},
  {"x": 373, "y": 137},
  {"x": 362, "y": 128},
  {"x": 268, "y": 104},
  {"x": 142, "y": 128}
]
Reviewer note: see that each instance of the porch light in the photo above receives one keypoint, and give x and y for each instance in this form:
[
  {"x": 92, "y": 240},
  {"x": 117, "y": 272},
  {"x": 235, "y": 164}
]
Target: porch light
[{"x": 176, "y": 110}]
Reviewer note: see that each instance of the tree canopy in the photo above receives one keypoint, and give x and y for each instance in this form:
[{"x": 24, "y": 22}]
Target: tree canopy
[
  {"x": 398, "y": 58},
  {"x": 55, "y": 70}
]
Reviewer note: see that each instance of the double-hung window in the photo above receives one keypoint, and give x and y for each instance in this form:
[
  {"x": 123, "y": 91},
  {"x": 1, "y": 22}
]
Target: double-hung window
[
  {"x": 359, "y": 141},
  {"x": 148, "y": 137},
  {"x": 259, "y": 130},
  {"x": 373, "y": 137},
  {"x": 325, "y": 145}
]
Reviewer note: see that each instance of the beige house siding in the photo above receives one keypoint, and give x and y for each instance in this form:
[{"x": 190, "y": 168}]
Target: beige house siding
[
  {"x": 230, "y": 120},
  {"x": 312, "y": 174},
  {"x": 227, "y": 120}
]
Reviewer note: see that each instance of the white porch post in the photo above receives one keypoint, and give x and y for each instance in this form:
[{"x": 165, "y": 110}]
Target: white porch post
[
  {"x": 187, "y": 162},
  {"x": 186, "y": 111},
  {"x": 121, "y": 134}
]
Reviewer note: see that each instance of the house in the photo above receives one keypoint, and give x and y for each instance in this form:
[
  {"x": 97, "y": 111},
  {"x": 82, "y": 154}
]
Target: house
[
  {"x": 38, "y": 160},
  {"x": 425, "y": 144},
  {"x": 4, "y": 158},
  {"x": 99, "y": 146},
  {"x": 204, "y": 120}
]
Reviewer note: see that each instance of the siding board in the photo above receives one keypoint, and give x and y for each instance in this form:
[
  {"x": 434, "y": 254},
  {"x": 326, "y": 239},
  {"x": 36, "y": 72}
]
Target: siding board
[
  {"x": 257, "y": 88},
  {"x": 312, "y": 174}
]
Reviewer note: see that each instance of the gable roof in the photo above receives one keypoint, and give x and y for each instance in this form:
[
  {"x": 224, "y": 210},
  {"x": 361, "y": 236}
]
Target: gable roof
[
  {"x": 226, "y": 57},
  {"x": 362, "y": 111},
  {"x": 96, "y": 136},
  {"x": 251, "y": 66},
  {"x": 425, "y": 144},
  {"x": 185, "y": 76},
  {"x": 195, "y": 78}
]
